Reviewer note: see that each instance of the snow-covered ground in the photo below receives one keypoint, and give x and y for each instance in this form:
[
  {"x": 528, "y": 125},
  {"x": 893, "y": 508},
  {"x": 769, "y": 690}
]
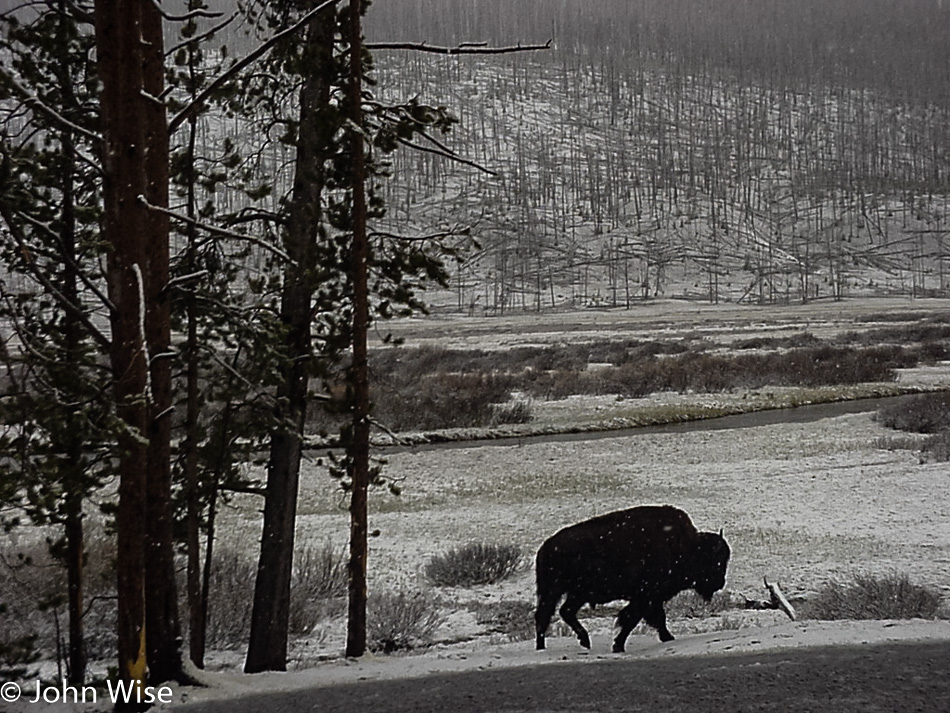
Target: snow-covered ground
[
  {"x": 375, "y": 668},
  {"x": 800, "y": 503}
]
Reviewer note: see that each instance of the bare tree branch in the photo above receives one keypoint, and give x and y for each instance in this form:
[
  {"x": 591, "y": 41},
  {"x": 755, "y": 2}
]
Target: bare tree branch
[
  {"x": 463, "y": 48},
  {"x": 421, "y": 238},
  {"x": 449, "y": 155}
]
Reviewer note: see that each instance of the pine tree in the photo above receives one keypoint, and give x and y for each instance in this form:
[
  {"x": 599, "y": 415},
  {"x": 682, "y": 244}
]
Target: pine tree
[
  {"x": 317, "y": 293},
  {"x": 58, "y": 427}
]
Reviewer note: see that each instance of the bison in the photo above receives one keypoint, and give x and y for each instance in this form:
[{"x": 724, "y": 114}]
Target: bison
[{"x": 644, "y": 555}]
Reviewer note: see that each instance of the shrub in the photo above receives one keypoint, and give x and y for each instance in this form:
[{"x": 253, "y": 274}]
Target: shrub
[
  {"x": 517, "y": 411},
  {"x": 316, "y": 592},
  {"x": 922, "y": 413},
  {"x": 869, "y": 597},
  {"x": 318, "y": 587},
  {"x": 937, "y": 447},
  {"x": 230, "y": 599},
  {"x": 401, "y": 621},
  {"x": 473, "y": 564},
  {"x": 443, "y": 401},
  {"x": 511, "y": 618}
]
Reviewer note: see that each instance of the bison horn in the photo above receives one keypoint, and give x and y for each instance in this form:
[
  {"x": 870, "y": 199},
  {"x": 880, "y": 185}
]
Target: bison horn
[{"x": 720, "y": 532}]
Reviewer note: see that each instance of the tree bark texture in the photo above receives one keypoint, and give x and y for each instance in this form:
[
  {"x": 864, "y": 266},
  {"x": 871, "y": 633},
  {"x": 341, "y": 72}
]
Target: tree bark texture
[
  {"x": 267, "y": 649},
  {"x": 129, "y": 47},
  {"x": 119, "y": 56},
  {"x": 359, "y": 448},
  {"x": 162, "y": 623}
]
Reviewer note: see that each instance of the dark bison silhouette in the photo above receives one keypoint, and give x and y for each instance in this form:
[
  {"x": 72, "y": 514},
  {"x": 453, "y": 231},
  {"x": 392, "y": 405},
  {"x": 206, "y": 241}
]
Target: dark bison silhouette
[{"x": 645, "y": 555}]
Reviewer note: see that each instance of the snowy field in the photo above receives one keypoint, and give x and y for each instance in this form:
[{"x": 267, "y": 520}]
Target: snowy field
[{"x": 800, "y": 503}]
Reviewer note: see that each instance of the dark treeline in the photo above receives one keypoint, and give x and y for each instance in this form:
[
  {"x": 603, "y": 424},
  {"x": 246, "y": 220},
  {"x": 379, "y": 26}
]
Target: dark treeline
[{"x": 898, "y": 46}]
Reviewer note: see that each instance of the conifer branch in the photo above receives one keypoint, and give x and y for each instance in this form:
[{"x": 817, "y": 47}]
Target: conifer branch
[
  {"x": 198, "y": 39},
  {"x": 196, "y": 104},
  {"x": 40, "y": 276},
  {"x": 192, "y": 15},
  {"x": 34, "y": 102},
  {"x": 103, "y": 298},
  {"x": 215, "y": 230}
]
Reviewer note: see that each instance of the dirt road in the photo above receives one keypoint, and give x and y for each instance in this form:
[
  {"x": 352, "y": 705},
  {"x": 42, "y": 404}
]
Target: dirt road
[{"x": 897, "y": 678}]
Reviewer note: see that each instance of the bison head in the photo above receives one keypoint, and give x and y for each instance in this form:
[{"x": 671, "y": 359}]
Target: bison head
[{"x": 712, "y": 557}]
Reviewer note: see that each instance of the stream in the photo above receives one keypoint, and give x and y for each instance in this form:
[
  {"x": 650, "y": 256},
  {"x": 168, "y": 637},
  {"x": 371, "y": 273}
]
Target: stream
[{"x": 797, "y": 414}]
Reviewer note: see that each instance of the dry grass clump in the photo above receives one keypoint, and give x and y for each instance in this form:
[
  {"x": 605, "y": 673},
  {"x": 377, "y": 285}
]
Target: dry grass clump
[
  {"x": 513, "y": 619},
  {"x": 474, "y": 564},
  {"x": 689, "y": 605},
  {"x": 401, "y": 621},
  {"x": 873, "y": 597}
]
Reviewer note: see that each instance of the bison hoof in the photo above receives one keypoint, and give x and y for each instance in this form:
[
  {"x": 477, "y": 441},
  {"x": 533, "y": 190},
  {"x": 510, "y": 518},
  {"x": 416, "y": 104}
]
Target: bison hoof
[
  {"x": 539, "y": 646},
  {"x": 585, "y": 641},
  {"x": 666, "y": 636},
  {"x": 618, "y": 649}
]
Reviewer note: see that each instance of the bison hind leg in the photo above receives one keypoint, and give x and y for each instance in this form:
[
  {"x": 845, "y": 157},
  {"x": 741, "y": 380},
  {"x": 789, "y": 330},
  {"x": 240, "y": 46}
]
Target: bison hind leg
[
  {"x": 656, "y": 617},
  {"x": 627, "y": 620},
  {"x": 542, "y": 617},
  {"x": 568, "y": 612}
]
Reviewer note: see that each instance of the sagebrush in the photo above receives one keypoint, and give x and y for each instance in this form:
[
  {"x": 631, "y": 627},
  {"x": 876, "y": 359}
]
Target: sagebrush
[
  {"x": 401, "y": 621},
  {"x": 474, "y": 564},
  {"x": 868, "y": 596}
]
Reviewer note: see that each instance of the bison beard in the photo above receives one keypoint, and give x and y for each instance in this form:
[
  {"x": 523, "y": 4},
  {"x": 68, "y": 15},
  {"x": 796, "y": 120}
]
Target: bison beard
[{"x": 644, "y": 555}]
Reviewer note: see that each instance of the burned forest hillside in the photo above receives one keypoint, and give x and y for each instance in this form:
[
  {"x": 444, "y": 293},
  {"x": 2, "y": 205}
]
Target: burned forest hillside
[{"x": 765, "y": 152}]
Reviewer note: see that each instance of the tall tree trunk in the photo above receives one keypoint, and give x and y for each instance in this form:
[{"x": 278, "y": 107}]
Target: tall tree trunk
[
  {"x": 72, "y": 475},
  {"x": 359, "y": 448},
  {"x": 125, "y": 229},
  {"x": 162, "y": 623},
  {"x": 267, "y": 649},
  {"x": 197, "y": 620}
]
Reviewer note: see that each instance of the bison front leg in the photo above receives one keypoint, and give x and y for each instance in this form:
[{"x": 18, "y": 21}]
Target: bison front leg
[
  {"x": 656, "y": 617},
  {"x": 627, "y": 620},
  {"x": 568, "y": 612}
]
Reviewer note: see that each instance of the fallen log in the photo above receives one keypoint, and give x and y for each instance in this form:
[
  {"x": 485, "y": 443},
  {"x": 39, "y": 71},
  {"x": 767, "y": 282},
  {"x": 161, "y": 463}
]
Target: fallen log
[{"x": 777, "y": 600}]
